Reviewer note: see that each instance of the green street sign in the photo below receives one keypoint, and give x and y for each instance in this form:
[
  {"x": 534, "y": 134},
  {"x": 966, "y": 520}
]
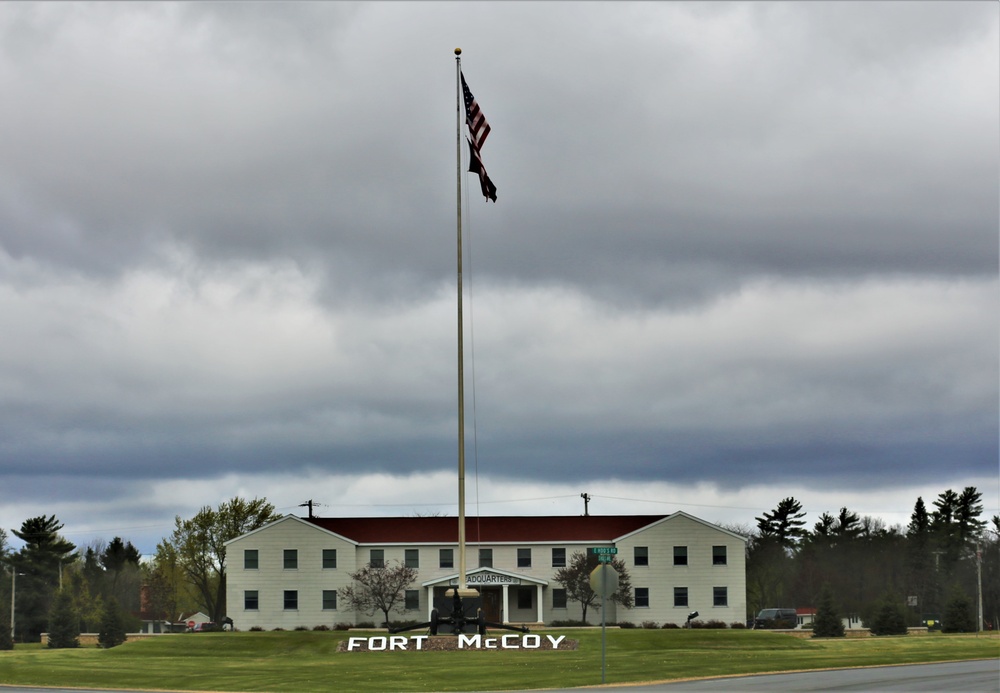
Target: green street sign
[
  {"x": 603, "y": 550},
  {"x": 605, "y": 558}
]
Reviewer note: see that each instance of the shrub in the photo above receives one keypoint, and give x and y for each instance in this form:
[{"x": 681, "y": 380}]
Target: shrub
[
  {"x": 403, "y": 624},
  {"x": 626, "y": 624},
  {"x": 6, "y": 641},
  {"x": 256, "y": 629},
  {"x": 669, "y": 625},
  {"x": 321, "y": 626},
  {"x": 64, "y": 622},
  {"x": 889, "y": 618},
  {"x": 342, "y": 626},
  {"x": 715, "y": 624},
  {"x": 301, "y": 628},
  {"x": 958, "y": 617},
  {"x": 650, "y": 624},
  {"x": 695, "y": 624},
  {"x": 827, "y": 622},
  {"x": 569, "y": 624},
  {"x": 737, "y": 624},
  {"x": 279, "y": 628},
  {"x": 112, "y": 631},
  {"x": 365, "y": 624}
]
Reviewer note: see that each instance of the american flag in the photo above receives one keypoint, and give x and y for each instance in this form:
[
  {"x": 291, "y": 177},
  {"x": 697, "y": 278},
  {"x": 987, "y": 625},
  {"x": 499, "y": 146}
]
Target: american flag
[{"x": 479, "y": 130}]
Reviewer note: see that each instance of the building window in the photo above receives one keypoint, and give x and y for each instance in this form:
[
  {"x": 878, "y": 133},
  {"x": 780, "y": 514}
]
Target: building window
[
  {"x": 291, "y": 600},
  {"x": 642, "y": 597},
  {"x": 680, "y": 596},
  {"x": 329, "y": 600},
  {"x": 485, "y": 558},
  {"x": 524, "y": 558},
  {"x": 251, "y": 601},
  {"x": 718, "y": 555},
  {"x": 329, "y": 559},
  {"x": 250, "y": 559},
  {"x": 558, "y": 558},
  {"x": 525, "y": 597},
  {"x": 291, "y": 559},
  {"x": 411, "y": 600},
  {"x": 558, "y": 598},
  {"x": 720, "y": 596},
  {"x": 377, "y": 558},
  {"x": 680, "y": 555},
  {"x": 446, "y": 558},
  {"x": 412, "y": 558},
  {"x": 641, "y": 554}
]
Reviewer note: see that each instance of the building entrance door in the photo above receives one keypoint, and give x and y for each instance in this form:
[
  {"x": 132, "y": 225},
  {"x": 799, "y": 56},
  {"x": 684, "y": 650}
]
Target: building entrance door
[{"x": 492, "y": 604}]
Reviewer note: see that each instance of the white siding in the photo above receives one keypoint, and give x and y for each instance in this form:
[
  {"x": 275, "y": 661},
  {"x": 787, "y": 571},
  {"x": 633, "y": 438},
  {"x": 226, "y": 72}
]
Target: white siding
[
  {"x": 271, "y": 579},
  {"x": 699, "y": 576}
]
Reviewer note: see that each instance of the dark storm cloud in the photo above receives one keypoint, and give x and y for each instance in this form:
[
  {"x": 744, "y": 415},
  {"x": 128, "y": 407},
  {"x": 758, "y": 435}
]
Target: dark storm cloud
[{"x": 734, "y": 243}]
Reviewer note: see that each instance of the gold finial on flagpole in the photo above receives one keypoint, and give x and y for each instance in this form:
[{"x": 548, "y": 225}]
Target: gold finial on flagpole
[{"x": 458, "y": 51}]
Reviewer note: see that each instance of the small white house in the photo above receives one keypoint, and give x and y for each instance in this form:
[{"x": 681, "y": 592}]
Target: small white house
[{"x": 290, "y": 572}]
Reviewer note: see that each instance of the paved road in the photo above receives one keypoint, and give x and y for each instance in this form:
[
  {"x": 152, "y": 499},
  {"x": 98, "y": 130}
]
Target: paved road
[{"x": 977, "y": 676}]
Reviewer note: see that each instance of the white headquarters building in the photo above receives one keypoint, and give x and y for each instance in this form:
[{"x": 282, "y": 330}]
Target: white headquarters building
[{"x": 289, "y": 573}]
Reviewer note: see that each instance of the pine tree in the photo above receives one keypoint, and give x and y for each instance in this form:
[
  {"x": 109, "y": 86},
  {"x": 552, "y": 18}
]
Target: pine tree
[
  {"x": 112, "y": 631},
  {"x": 785, "y": 524},
  {"x": 889, "y": 618},
  {"x": 6, "y": 641},
  {"x": 827, "y": 623},
  {"x": 958, "y": 616},
  {"x": 38, "y": 565},
  {"x": 64, "y": 623}
]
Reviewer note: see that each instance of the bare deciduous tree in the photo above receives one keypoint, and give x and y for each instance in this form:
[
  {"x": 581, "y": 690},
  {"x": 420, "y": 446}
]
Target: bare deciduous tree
[{"x": 379, "y": 588}]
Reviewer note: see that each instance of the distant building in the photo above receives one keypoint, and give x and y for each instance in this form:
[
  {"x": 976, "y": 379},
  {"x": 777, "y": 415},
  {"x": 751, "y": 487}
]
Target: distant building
[{"x": 291, "y": 572}]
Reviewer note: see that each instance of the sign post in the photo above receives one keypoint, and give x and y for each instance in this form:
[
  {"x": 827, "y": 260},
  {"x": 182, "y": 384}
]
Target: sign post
[{"x": 604, "y": 580}]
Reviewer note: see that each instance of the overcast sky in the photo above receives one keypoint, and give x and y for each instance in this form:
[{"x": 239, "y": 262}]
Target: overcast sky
[{"x": 740, "y": 251}]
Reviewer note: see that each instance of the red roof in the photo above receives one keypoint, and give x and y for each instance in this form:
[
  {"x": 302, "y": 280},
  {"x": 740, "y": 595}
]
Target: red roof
[{"x": 490, "y": 530}]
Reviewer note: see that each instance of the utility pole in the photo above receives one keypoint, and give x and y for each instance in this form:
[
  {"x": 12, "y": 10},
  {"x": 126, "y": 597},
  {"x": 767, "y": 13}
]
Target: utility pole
[
  {"x": 979, "y": 586},
  {"x": 310, "y": 504},
  {"x": 586, "y": 503}
]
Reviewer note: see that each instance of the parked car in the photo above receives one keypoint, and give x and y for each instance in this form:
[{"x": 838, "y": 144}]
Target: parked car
[
  {"x": 776, "y": 618},
  {"x": 207, "y": 627}
]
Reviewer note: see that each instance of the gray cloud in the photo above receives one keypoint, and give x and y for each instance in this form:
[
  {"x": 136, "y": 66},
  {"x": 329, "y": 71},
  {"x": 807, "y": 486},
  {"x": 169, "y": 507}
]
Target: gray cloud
[{"x": 734, "y": 243}]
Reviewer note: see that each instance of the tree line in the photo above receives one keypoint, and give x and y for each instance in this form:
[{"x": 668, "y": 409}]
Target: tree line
[
  {"x": 945, "y": 552},
  {"x": 105, "y": 586}
]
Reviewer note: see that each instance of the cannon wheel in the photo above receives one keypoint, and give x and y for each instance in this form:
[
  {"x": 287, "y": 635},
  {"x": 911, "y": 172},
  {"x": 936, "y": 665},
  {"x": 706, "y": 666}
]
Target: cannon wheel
[
  {"x": 434, "y": 621},
  {"x": 481, "y": 621}
]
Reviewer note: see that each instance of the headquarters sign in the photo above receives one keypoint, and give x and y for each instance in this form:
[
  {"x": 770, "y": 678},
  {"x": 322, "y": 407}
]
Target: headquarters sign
[{"x": 487, "y": 579}]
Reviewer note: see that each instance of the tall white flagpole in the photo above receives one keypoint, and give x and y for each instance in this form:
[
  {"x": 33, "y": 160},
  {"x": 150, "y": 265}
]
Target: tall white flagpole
[{"x": 461, "y": 342}]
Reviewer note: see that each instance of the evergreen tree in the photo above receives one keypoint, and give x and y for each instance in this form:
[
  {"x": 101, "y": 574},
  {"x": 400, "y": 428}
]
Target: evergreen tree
[
  {"x": 771, "y": 554},
  {"x": 6, "y": 641},
  {"x": 889, "y": 618},
  {"x": 784, "y": 524},
  {"x": 39, "y": 564},
  {"x": 112, "y": 631},
  {"x": 827, "y": 623},
  {"x": 64, "y": 623},
  {"x": 921, "y": 574},
  {"x": 967, "y": 511},
  {"x": 958, "y": 616}
]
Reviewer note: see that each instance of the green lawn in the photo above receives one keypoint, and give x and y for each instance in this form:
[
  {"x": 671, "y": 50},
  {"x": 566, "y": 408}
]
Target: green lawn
[{"x": 309, "y": 661}]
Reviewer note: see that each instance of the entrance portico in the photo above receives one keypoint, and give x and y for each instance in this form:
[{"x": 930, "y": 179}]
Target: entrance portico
[{"x": 496, "y": 586}]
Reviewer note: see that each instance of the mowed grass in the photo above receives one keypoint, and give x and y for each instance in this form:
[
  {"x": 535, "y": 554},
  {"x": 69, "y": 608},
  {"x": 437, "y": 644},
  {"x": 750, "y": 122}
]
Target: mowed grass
[{"x": 309, "y": 661}]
